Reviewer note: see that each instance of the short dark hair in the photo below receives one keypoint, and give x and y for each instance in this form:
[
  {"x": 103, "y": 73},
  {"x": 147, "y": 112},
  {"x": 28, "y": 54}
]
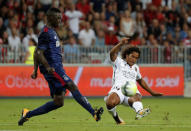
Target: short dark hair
[
  {"x": 53, "y": 10},
  {"x": 128, "y": 50},
  {"x": 52, "y": 16}
]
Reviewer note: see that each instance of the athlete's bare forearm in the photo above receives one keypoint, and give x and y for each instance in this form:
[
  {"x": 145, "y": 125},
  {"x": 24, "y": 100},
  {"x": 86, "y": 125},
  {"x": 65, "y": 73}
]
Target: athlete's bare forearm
[
  {"x": 114, "y": 51},
  {"x": 35, "y": 62},
  {"x": 144, "y": 85},
  {"x": 40, "y": 58},
  {"x": 39, "y": 54}
]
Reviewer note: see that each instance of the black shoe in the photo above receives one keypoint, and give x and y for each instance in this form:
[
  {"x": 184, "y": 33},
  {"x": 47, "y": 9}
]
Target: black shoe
[
  {"x": 98, "y": 113},
  {"x": 23, "y": 117},
  {"x": 118, "y": 120}
]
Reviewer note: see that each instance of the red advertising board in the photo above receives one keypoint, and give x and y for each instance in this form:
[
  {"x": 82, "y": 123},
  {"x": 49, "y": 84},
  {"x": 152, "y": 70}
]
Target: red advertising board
[
  {"x": 16, "y": 81},
  {"x": 92, "y": 81}
]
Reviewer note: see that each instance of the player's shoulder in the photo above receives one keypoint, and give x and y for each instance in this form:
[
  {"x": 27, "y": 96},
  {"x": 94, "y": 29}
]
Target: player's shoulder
[
  {"x": 136, "y": 67},
  {"x": 45, "y": 35},
  {"x": 120, "y": 59},
  {"x": 46, "y": 29},
  {"x": 45, "y": 32}
]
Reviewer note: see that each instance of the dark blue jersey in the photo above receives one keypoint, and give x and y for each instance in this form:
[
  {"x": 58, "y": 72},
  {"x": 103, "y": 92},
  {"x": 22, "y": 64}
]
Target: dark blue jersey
[{"x": 49, "y": 42}]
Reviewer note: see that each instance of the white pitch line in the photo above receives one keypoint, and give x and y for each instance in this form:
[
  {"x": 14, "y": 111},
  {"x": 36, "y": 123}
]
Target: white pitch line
[
  {"x": 173, "y": 126},
  {"x": 78, "y": 75},
  {"x": 10, "y": 130},
  {"x": 147, "y": 125}
]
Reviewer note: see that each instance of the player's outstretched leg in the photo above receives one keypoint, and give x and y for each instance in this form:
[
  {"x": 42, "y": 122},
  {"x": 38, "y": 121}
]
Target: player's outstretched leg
[
  {"x": 118, "y": 120},
  {"x": 136, "y": 104},
  {"x": 26, "y": 114},
  {"x": 111, "y": 102},
  {"x": 115, "y": 116},
  {"x": 96, "y": 113}
]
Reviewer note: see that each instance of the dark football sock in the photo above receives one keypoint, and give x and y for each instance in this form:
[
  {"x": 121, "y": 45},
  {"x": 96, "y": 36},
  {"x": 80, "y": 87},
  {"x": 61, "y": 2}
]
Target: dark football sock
[
  {"x": 82, "y": 101},
  {"x": 49, "y": 106}
]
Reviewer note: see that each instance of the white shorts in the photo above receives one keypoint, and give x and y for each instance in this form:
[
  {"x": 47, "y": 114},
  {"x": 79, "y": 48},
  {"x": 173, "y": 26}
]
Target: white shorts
[{"x": 117, "y": 90}]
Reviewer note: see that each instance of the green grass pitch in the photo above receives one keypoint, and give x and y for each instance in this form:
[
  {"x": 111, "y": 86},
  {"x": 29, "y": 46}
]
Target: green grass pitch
[{"x": 168, "y": 114}]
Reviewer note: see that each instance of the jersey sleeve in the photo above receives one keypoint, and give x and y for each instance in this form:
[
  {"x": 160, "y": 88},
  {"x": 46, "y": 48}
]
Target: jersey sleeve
[
  {"x": 43, "y": 41},
  {"x": 138, "y": 74},
  {"x": 117, "y": 61}
]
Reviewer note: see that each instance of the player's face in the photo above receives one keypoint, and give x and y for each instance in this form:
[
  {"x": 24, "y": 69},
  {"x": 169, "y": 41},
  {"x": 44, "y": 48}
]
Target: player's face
[
  {"x": 57, "y": 18},
  {"x": 132, "y": 58}
]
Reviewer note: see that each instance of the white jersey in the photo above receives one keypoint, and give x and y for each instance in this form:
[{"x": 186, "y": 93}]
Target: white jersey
[{"x": 122, "y": 72}]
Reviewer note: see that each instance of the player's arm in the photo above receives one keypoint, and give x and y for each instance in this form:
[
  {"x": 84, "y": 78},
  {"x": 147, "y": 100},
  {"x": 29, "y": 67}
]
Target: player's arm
[
  {"x": 39, "y": 54},
  {"x": 43, "y": 45},
  {"x": 114, "y": 51},
  {"x": 144, "y": 85},
  {"x": 34, "y": 74}
]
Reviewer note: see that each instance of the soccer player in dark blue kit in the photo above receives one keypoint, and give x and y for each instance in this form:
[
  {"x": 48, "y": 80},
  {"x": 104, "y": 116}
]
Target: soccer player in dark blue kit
[{"x": 48, "y": 58}]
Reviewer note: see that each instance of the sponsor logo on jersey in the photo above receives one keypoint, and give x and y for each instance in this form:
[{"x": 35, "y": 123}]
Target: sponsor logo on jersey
[
  {"x": 57, "y": 43},
  {"x": 65, "y": 77}
]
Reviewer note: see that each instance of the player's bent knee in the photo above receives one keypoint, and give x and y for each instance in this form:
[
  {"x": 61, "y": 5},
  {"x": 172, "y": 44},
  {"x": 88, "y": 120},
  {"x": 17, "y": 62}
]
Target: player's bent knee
[
  {"x": 110, "y": 106},
  {"x": 111, "y": 103}
]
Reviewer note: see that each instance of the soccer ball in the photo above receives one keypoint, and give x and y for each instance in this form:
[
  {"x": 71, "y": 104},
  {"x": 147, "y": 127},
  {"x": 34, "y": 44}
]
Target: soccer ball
[{"x": 129, "y": 89}]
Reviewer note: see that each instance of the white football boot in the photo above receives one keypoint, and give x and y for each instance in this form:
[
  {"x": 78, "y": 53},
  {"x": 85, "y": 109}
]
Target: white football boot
[{"x": 142, "y": 113}]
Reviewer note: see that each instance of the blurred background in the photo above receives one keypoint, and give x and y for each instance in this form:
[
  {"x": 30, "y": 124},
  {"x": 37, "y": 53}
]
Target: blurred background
[{"x": 90, "y": 28}]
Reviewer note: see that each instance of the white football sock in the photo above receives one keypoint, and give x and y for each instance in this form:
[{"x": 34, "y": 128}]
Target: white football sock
[
  {"x": 137, "y": 106},
  {"x": 113, "y": 111}
]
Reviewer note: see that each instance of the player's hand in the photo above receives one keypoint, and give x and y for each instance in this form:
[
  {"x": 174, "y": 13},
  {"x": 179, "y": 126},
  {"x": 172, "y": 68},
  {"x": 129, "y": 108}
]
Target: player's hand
[
  {"x": 50, "y": 70},
  {"x": 125, "y": 40},
  {"x": 34, "y": 75},
  {"x": 156, "y": 94}
]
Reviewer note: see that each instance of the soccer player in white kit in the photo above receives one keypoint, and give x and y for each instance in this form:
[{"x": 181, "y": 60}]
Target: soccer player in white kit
[{"x": 124, "y": 70}]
